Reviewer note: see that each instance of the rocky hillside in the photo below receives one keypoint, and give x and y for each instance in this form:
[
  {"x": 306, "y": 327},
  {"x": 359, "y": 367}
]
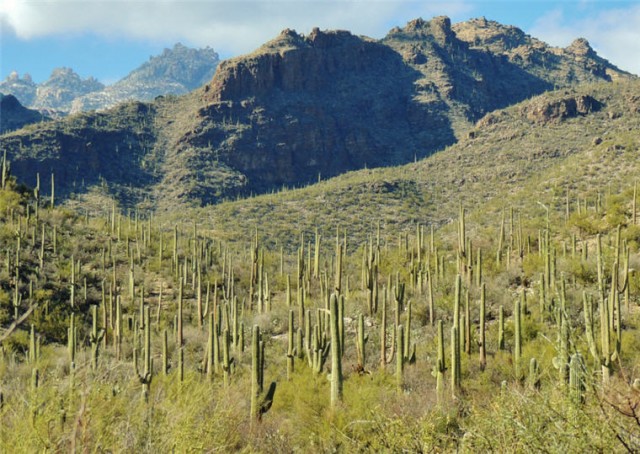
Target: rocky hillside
[
  {"x": 176, "y": 71},
  {"x": 306, "y": 107},
  {"x": 528, "y": 155}
]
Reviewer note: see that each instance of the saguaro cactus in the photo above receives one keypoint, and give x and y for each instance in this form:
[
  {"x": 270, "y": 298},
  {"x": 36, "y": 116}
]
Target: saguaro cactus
[
  {"x": 96, "y": 337},
  {"x": 336, "y": 356},
  {"x": 576, "y": 378},
  {"x": 256, "y": 372},
  {"x": 440, "y": 366},
  {"x": 291, "y": 349},
  {"x": 481, "y": 341},
  {"x": 455, "y": 360},
  {"x": 146, "y": 374},
  {"x": 517, "y": 347},
  {"x": 360, "y": 343}
]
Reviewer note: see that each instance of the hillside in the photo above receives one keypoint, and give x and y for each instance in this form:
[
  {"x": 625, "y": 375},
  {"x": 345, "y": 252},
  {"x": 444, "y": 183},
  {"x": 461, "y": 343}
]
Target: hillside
[
  {"x": 514, "y": 329},
  {"x": 564, "y": 140},
  {"x": 306, "y": 107},
  {"x": 14, "y": 115}
]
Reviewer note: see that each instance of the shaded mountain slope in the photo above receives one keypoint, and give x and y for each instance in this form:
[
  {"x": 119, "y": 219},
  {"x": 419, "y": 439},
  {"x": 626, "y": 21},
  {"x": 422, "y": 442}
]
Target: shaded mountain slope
[
  {"x": 14, "y": 115},
  {"x": 512, "y": 157}
]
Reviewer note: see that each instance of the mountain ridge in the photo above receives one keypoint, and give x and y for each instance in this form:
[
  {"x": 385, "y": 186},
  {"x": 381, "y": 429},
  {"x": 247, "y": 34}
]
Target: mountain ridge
[
  {"x": 175, "y": 71},
  {"x": 301, "y": 108}
]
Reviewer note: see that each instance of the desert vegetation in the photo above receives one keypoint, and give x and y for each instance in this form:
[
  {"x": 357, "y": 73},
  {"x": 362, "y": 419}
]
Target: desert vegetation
[{"x": 513, "y": 328}]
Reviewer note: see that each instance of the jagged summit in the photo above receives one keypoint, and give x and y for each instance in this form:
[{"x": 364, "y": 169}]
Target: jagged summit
[
  {"x": 176, "y": 71},
  {"x": 438, "y": 29},
  {"x": 295, "y": 62}
]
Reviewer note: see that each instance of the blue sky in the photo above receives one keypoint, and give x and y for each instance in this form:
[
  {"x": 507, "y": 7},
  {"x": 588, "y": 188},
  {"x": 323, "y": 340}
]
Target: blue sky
[{"x": 108, "y": 38}]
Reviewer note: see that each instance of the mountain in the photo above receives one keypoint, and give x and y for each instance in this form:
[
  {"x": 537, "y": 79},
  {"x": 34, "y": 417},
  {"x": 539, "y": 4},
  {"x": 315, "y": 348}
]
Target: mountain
[
  {"x": 570, "y": 141},
  {"x": 301, "y": 108},
  {"x": 14, "y": 115},
  {"x": 176, "y": 71},
  {"x": 55, "y": 95},
  {"x": 62, "y": 87},
  {"x": 22, "y": 88}
]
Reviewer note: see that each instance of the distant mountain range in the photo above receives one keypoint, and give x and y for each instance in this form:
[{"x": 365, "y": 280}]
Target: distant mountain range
[
  {"x": 176, "y": 71},
  {"x": 302, "y": 108}
]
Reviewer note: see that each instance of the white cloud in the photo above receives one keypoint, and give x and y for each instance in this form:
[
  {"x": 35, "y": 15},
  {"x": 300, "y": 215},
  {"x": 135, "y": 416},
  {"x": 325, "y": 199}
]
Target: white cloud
[
  {"x": 229, "y": 26},
  {"x": 613, "y": 33}
]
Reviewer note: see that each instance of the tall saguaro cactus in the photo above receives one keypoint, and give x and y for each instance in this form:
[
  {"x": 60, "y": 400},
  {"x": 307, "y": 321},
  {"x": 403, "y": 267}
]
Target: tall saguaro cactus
[
  {"x": 336, "y": 355},
  {"x": 256, "y": 372}
]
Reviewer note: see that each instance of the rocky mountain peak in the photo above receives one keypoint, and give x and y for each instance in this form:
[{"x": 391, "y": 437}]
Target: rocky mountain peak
[
  {"x": 176, "y": 71},
  {"x": 23, "y": 88},
  {"x": 581, "y": 47},
  {"x": 293, "y": 62},
  {"x": 62, "y": 87},
  {"x": 439, "y": 29},
  {"x": 492, "y": 35}
]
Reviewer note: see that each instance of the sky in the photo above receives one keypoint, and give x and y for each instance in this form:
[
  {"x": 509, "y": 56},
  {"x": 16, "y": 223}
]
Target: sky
[{"x": 107, "y": 39}]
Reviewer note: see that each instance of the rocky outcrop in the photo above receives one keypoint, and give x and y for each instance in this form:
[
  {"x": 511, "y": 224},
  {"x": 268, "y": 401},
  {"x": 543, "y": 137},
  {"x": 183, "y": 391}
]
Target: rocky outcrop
[{"x": 561, "y": 109}]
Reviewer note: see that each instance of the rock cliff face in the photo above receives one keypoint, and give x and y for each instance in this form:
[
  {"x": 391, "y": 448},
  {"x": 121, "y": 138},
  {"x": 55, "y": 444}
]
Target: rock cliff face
[
  {"x": 303, "y": 107},
  {"x": 307, "y": 106}
]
